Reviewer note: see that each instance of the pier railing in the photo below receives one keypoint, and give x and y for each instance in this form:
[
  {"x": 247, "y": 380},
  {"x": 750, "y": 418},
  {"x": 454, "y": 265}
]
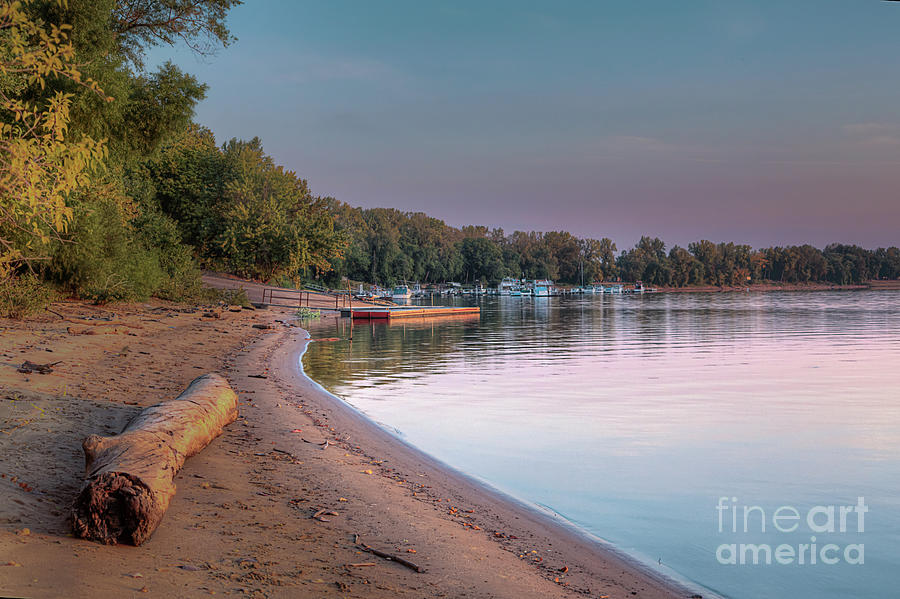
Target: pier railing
[{"x": 301, "y": 298}]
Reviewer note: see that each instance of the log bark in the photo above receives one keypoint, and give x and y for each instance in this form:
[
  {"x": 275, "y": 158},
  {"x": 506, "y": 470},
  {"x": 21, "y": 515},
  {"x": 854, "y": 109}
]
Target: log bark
[{"x": 129, "y": 478}]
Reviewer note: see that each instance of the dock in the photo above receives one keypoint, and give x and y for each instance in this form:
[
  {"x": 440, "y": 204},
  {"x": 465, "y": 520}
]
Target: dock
[{"x": 391, "y": 312}]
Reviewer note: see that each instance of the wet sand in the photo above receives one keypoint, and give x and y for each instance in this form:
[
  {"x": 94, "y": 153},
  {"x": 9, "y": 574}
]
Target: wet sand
[{"x": 244, "y": 520}]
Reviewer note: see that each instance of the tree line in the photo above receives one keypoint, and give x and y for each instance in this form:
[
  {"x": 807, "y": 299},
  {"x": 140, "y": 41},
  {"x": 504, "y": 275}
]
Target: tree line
[
  {"x": 110, "y": 191},
  {"x": 388, "y": 246}
]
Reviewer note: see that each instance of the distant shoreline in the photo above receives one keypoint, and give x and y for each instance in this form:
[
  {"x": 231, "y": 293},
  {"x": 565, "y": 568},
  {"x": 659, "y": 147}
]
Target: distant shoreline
[{"x": 772, "y": 286}]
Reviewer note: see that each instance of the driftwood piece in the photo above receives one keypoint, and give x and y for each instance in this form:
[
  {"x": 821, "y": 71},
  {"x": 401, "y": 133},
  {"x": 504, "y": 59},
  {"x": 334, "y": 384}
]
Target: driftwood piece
[
  {"x": 129, "y": 478},
  {"x": 28, "y": 367},
  {"x": 387, "y": 556}
]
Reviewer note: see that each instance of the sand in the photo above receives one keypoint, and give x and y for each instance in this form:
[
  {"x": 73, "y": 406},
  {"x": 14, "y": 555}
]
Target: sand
[{"x": 242, "y": 522}]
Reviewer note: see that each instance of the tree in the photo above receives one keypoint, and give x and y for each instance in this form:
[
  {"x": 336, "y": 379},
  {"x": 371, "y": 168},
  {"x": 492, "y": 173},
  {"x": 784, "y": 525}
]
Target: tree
[
  {"x": 686, "y": 269},
  {"x": 482, "y": 260},
  {"x": 40, "y": 163},
  {"x": 607, "y": 255},
  {"x": 188, "y": 177},
  {"x": 199, "y": 24},
  {"x": 270, "y": 224}
]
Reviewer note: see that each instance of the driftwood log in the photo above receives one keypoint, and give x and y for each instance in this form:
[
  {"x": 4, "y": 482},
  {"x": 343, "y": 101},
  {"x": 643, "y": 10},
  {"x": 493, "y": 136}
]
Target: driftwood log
[{"x": 129, "y": 478}]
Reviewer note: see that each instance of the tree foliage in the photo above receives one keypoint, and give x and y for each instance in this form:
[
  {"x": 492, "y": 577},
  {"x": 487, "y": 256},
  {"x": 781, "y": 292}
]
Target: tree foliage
[
  {"x": 40, "y": 163},
  {"x": 198, "y": 24},
  {"x": 241, "y": 211},
  {"x": 85, "y": 208}
]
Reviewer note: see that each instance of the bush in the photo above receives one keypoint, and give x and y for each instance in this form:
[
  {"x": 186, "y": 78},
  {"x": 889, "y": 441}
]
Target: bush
[
  {"x": 236, "y": 297},
  {"x": 24, "y": 296},
  {"x": 305, "y": 312},
  {"x": 119, "y": 252},
  {"x": 159, "y": 234},
  {"x": 103, "y": 260}
]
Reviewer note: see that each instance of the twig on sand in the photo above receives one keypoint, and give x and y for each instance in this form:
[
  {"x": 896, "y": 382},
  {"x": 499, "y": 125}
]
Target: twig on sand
[
  {"x": 257, "y": 376},
  {"x": 323, "y": 445},
  {"x": 387, "y": 556},
  {"x": 323, "y": 512},
  {"x": 287, "y": 453}
]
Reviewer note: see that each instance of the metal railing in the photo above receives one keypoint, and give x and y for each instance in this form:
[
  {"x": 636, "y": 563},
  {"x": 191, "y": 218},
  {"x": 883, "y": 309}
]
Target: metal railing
[{"x": 301, "y": 297}]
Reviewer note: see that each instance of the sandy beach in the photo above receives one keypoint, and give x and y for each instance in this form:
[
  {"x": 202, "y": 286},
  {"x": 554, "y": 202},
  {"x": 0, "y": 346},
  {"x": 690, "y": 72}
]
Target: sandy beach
[{"x": 273, "y": 507}]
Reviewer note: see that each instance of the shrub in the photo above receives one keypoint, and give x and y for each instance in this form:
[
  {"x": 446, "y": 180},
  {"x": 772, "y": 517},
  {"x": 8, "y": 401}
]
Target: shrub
[
  {"x": 103, "y": 260},
  {"x": 159, "y": 234},
  {"x": 236, "y": 297},
  {"x": 24, "y": 296},
  {"x": 304, "y": 312}
]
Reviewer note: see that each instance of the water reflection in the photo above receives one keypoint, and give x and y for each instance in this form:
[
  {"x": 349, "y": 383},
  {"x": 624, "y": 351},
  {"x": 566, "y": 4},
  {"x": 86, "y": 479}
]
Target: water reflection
[{"x": 632, "y": 415}]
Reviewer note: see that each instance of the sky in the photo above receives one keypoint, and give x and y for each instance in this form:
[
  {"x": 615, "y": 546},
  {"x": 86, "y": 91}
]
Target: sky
[{"x": 761, "y": 122}]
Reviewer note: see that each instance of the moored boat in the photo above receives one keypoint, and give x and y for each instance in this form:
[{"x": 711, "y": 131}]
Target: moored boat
[
  {"x": 542, "y": 288},
  {"x": 401, "y": 292},
  {"x": 509, "y": 286}
]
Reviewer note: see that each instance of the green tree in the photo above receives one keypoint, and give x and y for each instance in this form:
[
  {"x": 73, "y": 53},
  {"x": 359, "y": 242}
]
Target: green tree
[
  {"x": 41, "y": 164},
  {"x": 482, "y": 260}
]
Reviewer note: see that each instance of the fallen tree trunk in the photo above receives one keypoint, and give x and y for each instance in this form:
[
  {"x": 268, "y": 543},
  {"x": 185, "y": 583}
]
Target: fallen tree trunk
[{"x": 129, "y": 478}]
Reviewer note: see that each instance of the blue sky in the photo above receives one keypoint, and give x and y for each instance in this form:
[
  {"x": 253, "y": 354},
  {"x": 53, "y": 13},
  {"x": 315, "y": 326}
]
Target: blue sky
[{"x": 760, "y": 122}]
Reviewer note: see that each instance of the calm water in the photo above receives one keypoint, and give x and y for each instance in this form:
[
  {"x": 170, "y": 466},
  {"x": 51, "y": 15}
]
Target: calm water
[{"x": 632, "y": 416}]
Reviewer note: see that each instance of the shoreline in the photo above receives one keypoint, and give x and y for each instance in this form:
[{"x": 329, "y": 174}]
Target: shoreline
[
  {"x": 593, "y": 556},
  {"x": 244, "y": 518},
  {"x": 773, "y": 286}
]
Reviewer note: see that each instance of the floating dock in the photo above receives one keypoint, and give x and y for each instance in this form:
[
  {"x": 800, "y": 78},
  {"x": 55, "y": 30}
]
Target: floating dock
[{"x": 391, "y": 312}]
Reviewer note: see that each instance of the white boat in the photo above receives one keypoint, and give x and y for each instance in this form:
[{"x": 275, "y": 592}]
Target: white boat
[
  {"x": 542, "y": 288},
  {"x": 509, "y": 286},
  {"x": 401, "y": 292}
]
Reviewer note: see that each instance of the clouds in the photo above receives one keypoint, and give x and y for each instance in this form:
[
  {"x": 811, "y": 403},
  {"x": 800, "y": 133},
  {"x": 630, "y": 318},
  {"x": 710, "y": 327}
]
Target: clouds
[{"x": 873, "y": 134}]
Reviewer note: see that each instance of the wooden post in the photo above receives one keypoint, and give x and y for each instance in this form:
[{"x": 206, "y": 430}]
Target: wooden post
[{"x": 350, "y": 305}]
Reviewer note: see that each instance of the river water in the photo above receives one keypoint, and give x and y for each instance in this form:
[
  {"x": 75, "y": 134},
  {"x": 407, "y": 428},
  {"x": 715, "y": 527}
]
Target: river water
[{"x": 660, "y": 422}]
